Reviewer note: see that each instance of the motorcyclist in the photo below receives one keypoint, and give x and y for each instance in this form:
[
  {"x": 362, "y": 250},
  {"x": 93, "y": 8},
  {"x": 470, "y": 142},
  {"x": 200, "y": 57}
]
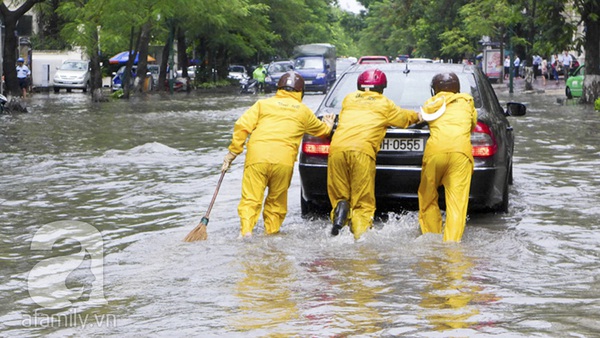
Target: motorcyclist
[
  {"x": 276, "y": 126},
  {"x": 260, "y": 75},
  {"x": 365, "y": 116},
  {"x": 448, "y": 158}
]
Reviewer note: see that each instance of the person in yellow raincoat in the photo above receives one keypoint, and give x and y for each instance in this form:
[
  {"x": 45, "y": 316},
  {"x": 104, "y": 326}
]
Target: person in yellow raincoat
[
  {"x": 276, "y": 126},
  {"x": 448, "y": 157},
  {"x": 365, "y": 116}
]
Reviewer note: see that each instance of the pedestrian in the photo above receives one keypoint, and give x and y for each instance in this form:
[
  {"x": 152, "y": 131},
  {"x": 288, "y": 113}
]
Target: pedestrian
[
  {"x": 544, "y": 66},
  {"x": 23, "y": 74},
  {"x": 506, "y": 67},
  {"x": 566, "y": 64},
  {"x": 260, "y": 75},
  {"x": 556, "y": 67},
  {"x": 362, "y": 123},
  {"x": 275, "y": 126},
  {"x": 536, "y": 62},
  {"x": 448, "y": 159},
  {"x": 516, "y": 64}
]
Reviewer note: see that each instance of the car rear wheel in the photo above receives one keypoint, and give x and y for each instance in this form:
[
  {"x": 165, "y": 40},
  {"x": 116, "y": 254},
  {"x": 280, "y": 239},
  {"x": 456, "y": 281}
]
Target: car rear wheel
[
  {"x": 306, "y": 208},
  {"x": 568, "y": 93},
  {"x": 309, "y": 209}
]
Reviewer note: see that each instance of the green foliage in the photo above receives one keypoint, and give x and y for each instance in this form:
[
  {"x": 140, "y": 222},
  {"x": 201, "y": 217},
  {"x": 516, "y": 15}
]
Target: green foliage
[
  {"x": 117, "y": 94},
  {"x": 597, "y": 104},
  {"x": 250, "y": 31}
]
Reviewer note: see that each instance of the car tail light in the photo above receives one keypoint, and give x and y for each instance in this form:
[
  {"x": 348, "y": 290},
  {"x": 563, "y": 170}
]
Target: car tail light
[
  {"x": 312, "y": 145},
  {"x": 483, "y": 141}
]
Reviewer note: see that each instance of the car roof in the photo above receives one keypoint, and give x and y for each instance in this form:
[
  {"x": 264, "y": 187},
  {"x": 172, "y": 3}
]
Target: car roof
[
  {"x": 415, "y": 74},
  {"x": 394, "y": 66}
]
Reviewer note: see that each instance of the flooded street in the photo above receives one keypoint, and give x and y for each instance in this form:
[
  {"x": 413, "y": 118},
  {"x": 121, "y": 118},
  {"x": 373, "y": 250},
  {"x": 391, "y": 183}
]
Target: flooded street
[{"x": 142, "y": 173}]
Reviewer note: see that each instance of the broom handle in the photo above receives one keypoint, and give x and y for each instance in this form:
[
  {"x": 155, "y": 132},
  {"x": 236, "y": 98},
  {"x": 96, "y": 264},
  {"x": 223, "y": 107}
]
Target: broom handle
[{"x": 215, "y": 194}]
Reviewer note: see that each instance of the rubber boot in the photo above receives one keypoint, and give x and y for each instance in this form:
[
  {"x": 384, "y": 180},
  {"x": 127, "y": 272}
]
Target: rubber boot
[{"x": 340, "y": 215}]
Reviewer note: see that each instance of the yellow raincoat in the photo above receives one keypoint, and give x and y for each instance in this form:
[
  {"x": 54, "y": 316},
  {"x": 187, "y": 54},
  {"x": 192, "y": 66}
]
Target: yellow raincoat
[
  {"x": 276, "y": 125},
  {"x": 362, "y": 125},
  {"x": 447, "y": 161}
]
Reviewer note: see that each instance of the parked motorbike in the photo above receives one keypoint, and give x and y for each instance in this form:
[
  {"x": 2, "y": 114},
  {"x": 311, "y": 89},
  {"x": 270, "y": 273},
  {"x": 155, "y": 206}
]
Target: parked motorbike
[
  {"x": 3, "y": 101},
  {"x": 248, "y": 86}
]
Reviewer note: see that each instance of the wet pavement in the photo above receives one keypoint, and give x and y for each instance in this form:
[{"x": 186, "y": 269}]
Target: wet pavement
[{"x": 550, "y": 87}]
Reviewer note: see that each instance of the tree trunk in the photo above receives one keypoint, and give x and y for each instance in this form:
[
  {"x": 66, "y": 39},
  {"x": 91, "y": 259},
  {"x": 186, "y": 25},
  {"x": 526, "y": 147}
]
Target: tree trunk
[
  {"x": 126, "y": 83},
  {"x": 96, "y": 72},
  {"x": 164, "y": 63},
  {"x": 142, "y": 67},
  {"x": 591, "y": 81},
  {"x": 182, "y": 58},
  {"x": 591, "y": 88}
]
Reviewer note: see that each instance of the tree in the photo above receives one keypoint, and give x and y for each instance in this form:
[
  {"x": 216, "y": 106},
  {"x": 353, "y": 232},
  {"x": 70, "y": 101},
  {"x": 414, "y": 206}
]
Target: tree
[
  {"x": 49, "y": 25},
  {"x": 82, "y": 29},
  {"x": 590, "y": 16},
  {"x": 10, "y": 19}
]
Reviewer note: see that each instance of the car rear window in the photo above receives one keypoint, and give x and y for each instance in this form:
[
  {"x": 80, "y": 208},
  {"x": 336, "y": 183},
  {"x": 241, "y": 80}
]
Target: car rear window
[
  {"x": 308, "y": 63},
  {"x": 406, "y": 90},
  {"x": 280, "y": 67}
]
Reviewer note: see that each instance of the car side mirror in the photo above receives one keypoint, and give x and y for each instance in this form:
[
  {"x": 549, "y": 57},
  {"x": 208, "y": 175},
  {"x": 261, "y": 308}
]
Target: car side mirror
[{"x": 515, "y": 109}]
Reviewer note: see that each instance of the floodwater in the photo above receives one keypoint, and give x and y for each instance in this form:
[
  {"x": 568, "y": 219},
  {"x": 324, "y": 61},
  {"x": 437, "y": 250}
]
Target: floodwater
[{"x": 96, "y": 199}]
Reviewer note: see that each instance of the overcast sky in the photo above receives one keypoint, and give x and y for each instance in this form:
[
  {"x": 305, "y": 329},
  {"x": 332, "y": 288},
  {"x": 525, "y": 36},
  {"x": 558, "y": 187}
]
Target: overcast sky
[{"x": 351, "y": 5}]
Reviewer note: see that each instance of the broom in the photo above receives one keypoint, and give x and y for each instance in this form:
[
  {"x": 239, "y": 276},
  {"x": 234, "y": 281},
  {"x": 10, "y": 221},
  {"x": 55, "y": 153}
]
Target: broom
[{"x": 199, "y": 232}]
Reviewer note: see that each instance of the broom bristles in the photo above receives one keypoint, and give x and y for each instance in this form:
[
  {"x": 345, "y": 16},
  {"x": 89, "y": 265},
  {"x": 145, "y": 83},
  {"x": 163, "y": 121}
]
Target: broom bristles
[{"x": 198, "y": 234}]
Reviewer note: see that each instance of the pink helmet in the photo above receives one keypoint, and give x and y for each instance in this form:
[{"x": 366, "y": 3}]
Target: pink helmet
[{"x": 372, "y": 79}]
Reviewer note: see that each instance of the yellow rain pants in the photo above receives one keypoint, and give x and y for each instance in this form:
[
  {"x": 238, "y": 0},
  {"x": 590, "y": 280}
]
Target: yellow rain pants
[
  {"x": 447, "y": 161},
  {"x": 275, "y": 126},
  {"x": 362, "y": 125},
  {"x": 258, "y": 177},
  {"x": 453, "y": 171},
  {"x": 353, "y": 174}
]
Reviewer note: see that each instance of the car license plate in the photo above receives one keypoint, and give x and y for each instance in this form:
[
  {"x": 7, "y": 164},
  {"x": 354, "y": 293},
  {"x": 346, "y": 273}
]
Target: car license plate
[
  {"x": 307, "y": 82},
  {"x": 402, "y": 144}
]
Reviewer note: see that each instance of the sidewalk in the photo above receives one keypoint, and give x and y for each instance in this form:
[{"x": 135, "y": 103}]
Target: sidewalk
[{"x": 551, "y": 87}]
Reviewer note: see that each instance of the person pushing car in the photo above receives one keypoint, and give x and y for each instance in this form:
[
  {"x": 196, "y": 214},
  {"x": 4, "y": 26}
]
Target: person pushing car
[
  {"x": 448, "y": 157},
  {"x": 276, "y": 126},
  {"x": 365, "y": 116}
]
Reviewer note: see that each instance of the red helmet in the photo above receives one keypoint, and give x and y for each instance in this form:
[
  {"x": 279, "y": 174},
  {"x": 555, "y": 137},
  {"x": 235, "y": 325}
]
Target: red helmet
[
  {"x": 372, "y": 79},
  {"x": 291, "y": 81}
]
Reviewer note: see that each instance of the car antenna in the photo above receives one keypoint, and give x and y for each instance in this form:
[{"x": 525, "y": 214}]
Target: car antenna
[{"x": 406, "y": 71}]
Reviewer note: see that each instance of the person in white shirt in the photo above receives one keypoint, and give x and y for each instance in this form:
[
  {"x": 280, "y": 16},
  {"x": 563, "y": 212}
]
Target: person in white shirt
[
  {"x": 516, "y": 63},
  {"x": 566, "y": 62},
  {"x": 536, "y": 62},
  {"x": 506, "y": 67},
  {"x": 23, "y": 74}
]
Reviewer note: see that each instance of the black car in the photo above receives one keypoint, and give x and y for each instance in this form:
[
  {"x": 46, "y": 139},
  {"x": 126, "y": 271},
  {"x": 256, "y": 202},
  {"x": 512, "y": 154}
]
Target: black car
[{"x": 400, "y": 158}]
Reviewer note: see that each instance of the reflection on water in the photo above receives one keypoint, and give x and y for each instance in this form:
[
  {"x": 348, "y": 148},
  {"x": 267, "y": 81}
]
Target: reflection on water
[
  {"x": 266, "y": 298},
  {"x": 142, "y": 173},
  {"x": 451, "y": 298}
]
